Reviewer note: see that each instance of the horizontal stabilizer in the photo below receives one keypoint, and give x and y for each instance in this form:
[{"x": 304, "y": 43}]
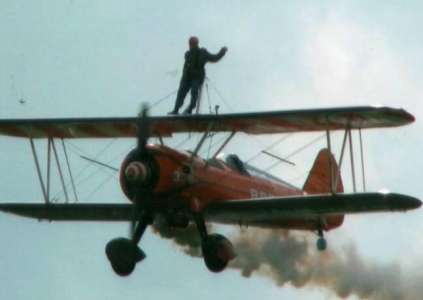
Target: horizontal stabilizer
[{"x": 250, "y": 123}]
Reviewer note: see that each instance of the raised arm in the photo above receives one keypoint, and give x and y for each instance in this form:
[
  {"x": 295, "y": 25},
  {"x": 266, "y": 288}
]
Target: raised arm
[{"x": 215, "y": 57}]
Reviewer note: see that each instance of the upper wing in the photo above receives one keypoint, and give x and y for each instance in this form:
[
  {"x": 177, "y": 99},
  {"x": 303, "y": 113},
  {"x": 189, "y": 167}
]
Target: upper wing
[
  {"x": 262, "y": 212},
  {"x": 250, "y": 123},
  {"x": 275, "y": 211}
]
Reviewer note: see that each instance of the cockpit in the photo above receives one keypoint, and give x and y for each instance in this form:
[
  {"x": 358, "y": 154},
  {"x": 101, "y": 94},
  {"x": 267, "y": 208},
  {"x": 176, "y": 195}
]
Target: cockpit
[
  {"x": 231, "y": 161},
  {"x": 236, "y": 164}
]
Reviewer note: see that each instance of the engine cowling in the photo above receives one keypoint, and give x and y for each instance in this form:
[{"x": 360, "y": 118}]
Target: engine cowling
[{"x": 138, "y": 174}]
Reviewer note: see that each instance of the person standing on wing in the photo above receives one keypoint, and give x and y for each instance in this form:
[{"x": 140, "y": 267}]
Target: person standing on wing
[{"x": 194, "y": 73}]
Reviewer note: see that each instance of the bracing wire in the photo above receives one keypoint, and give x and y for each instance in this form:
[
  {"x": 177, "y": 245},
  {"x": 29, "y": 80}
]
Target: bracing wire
[
  {"x": 160, "y": 100},
  {"x": 302, "y": 148},
  {"x": 77, "y": 178},
  {"x": 274, "y": 144},
  {"x": 220, "y": 95},
  {"x": 96, "y": 189}
]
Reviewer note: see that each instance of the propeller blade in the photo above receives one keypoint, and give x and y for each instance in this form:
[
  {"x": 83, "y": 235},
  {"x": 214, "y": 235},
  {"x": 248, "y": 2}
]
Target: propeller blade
[
  {"x": 143, "y": 128},
  {"x": 134, "y": 217}
]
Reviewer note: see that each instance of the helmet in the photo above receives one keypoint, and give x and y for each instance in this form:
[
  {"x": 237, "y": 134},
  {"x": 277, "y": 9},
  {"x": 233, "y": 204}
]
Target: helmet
[{"x": 193, "y": 41}]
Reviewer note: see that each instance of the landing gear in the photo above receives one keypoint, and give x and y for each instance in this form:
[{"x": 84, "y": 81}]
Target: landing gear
[
  {"x": 321, "y": 241},
  {"x": 124, "y": 253},
  {"x": 217, "y": 252},
  {"x": 217, "y": 249}
]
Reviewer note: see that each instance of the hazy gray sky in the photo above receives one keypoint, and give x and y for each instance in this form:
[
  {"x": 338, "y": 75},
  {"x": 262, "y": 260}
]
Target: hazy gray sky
[{"x": 103, "y": 58}]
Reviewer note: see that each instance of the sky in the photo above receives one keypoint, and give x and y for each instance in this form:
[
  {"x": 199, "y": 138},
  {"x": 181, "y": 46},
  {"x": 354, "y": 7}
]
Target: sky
[{"x": 104, "y": 58}]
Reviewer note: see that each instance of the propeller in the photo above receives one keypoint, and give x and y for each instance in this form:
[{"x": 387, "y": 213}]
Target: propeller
[{"x": 143, "y": 134}]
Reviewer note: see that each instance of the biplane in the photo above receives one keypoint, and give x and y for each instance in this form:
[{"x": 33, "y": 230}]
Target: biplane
[{"x": 182, "y": 188}]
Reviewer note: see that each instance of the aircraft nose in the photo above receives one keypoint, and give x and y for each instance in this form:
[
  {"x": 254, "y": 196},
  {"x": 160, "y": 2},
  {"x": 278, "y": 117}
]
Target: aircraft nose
[{"x": 136, "y": 171}]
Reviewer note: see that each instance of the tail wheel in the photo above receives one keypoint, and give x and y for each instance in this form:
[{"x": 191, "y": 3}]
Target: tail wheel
[
  {"x": 123, "y": 255},
  {"x": 217, "y": 252},
  {"x": 321, "y": 244}
]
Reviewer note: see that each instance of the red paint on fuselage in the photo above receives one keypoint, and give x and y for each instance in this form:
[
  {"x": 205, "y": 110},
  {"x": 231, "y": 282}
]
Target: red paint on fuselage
[{"x": 197, "y": 183}]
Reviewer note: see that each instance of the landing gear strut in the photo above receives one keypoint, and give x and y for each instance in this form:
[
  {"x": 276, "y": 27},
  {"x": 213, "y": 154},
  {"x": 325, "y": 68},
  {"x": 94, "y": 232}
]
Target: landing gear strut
[
  {"x": 217, "y": 249},
  {"x": 124, "y": 253},
  {"x": 321, "y": 241}
]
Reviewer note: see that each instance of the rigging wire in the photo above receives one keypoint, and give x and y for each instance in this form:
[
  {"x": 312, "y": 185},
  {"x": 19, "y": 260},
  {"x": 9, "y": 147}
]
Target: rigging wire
[
  {"x": 109, "y": 175},
  {"x": 158, "y": 101},
  {"x": 96, "y": 189},
  {"x": 181, "y": 143},
  {"x": 302, "y": 148},
  {"x": 78, "y": 151},
  {"x": 77, "y": 178},
  {"x": 274, "y": 144},
  {"x": 220, "y": 95}
]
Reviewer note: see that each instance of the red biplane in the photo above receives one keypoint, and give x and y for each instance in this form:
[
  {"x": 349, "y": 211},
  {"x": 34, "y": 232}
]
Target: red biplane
[{"x": 182, "y": 188}]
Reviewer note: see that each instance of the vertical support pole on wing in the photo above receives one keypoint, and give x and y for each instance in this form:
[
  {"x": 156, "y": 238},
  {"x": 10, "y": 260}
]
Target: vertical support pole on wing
[
  {"x": 161, "y": 140},
  {"x": 37, "y": 165},
  {"x": 362, "y": 160},
  {"x": 332, "y": 187},
  {"x": 352, "y": 160},
  {"x": 48, "y": 166},
  {"x": 60, "y": 170},
  {"x": 341, "y": 158},
  {"x": 69, "y": 170},
  {"x": 224, "y": 144},
  {"x": 201, "y": 142}
]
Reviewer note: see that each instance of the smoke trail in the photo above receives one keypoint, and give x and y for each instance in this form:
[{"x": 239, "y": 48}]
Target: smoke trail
[
  {"x": 292, "y": 258},
  {"x": 187, "y": 239},
  {"x": 289, "y": 257}
]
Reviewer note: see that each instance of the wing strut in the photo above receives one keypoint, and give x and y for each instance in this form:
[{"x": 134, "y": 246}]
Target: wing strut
[
  {"x": 37, "y": 165},
  {"x": 224, "y": 144},
  {"x": 341, "y": 157},
  {"x": 45, "y": 186},
  {"x": 332, "y": 181},
  {"x": 59, "y": 168},
  {"x": 69, "y": 170},
  {"x": 352, "y": 160},
  {"x": 201, "y": 142},
  {"x": 362, "y": 160},
  {"x": 335, "y": 177}
]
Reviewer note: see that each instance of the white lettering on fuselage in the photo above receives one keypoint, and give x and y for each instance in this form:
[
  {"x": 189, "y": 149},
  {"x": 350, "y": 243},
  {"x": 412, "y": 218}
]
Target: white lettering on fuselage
[{"x": 259, "y": 194}]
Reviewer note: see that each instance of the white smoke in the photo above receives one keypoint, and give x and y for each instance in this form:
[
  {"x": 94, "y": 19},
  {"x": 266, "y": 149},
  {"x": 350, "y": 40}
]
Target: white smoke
[{"x": 291, "y": 258}]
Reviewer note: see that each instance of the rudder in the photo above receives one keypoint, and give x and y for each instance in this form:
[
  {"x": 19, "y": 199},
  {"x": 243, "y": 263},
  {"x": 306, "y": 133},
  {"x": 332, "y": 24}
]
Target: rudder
[{"x": 318, "y": 180}]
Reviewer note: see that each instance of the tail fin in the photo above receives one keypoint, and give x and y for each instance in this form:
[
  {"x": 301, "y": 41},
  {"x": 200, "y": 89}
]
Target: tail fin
[{"x": 319, "y": 178}]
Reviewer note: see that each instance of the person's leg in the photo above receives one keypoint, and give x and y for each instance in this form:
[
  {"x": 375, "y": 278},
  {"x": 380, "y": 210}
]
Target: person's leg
[
  {"x": 195, "y": 93},
  {"x": 184, "y": 87}
]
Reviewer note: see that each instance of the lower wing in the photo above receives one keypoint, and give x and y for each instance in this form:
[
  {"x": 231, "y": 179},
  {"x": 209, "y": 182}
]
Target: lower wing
[{"x": 264, "y": 212}]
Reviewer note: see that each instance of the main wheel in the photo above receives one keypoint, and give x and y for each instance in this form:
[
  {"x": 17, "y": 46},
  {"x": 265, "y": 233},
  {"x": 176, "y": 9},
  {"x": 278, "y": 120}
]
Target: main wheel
[
  {"x": 321, "y": 244},
  {"x": 217, "y": 252},
  {"x": 123, "y": 255}
]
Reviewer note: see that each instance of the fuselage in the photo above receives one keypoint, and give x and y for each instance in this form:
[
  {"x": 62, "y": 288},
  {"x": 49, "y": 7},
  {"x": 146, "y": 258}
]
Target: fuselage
[{"x": 179, "y": 179}]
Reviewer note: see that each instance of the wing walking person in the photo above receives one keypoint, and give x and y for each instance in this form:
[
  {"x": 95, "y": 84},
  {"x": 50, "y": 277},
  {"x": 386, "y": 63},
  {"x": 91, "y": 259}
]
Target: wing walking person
[{"x": 194, "y": 73}]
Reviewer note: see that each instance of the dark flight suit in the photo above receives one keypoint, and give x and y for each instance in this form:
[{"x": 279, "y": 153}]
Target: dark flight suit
[{"x": 193, "y": 76}]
